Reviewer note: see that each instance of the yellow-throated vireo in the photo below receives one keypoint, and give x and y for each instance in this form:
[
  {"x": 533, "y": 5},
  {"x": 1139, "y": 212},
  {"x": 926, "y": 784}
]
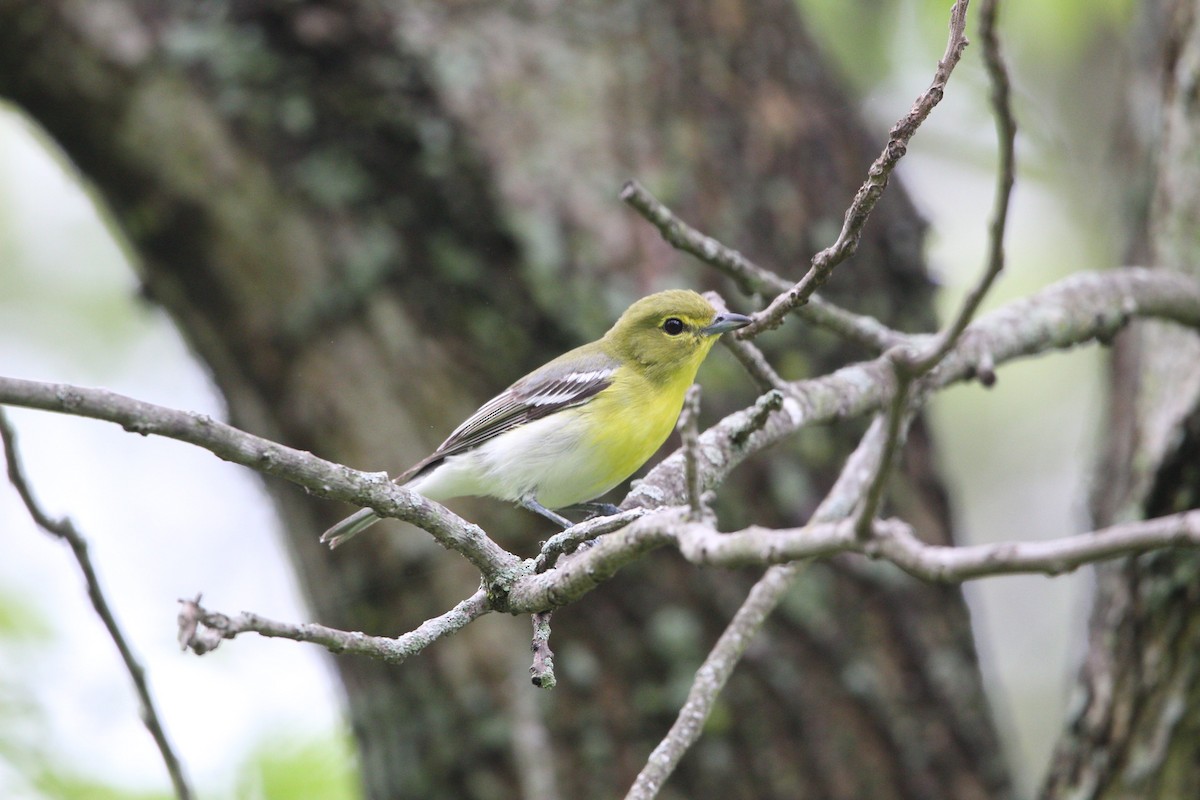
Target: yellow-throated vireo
[{"x": 577, "y": 426}]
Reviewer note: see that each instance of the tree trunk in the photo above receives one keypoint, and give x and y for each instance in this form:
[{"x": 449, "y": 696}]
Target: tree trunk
[
  {"x": 367, "y": 217},
  {"x": 1135, "y": 733}
]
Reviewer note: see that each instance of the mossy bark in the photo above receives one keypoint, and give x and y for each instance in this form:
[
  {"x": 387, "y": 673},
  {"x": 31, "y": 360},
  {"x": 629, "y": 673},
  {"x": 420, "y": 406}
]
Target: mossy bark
[{"x": 1134, "y": 730}]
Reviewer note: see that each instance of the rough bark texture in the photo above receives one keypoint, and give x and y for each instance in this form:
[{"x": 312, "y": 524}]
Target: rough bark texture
[
  {"x": 1134, "y": 731},
  {"x": 366, "y": 217}
]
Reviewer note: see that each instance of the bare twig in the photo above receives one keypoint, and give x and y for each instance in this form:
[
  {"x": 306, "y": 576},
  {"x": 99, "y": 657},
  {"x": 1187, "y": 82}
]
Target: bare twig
[
  {"x": 319, "y": 477},
  {"x": 753, "y": 279},
  {"x": 1006, "y": 134},
  {"x": 566, "y": 541},
  {"x": 756, "y": 417},
  {"x": 531, "y": 743},
  {"x": 65, "y": 530},
  {"x": 587, "y": 569},
  {"x": 542, "y": 671},
  {"x": 201, "y": 630},
  {"x": 891, "y": 540},
  {"x": 689, "y": 431},
  {"x": 894, "y": 541},
  {"x": 764, "y": 597},
  {"x": 896, "y": 418},
  {"x": 750, "y": 277},
  {"x": 869, "y": 193},
  {"x": 751, "y": 358},
  {"x": 910, "y": 365},
  {"x": 711, "y": 678},
  {"x": 755, "y": 363}
]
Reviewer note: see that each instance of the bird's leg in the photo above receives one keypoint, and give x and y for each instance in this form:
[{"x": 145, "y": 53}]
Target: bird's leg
[
  {"x": 529, "y": 504},
  {"x": 593, "y": 509}
]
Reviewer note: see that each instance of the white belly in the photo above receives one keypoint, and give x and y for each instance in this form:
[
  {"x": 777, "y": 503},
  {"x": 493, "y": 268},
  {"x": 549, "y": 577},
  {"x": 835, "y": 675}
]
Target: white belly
[{"x": 541, "y": 458}]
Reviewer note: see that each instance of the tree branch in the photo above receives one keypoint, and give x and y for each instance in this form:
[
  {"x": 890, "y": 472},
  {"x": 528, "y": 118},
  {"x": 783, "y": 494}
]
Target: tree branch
[
  {"x": 541, "y": 672},
  {"x": 201, "y": 630},
  {"x": 1006, "y": 134},
  {"x": 755, "y": 363},
  {"x": 688, "y": 427},
  {"x": 318, "y": 476},
  {"x": 711, "y": 678},
  {"x": 910, "y": 364},
  {"x": 753, "y": 279},
  {"x": 890, "y": 540},
  {"x": 566, "y": 541},
  {"x": 587, "y": 569},
  {"x": 894, "y": 541},
  {"x": 869, "y": 193},
  {"x": 763, "y": 598},
  {"x": 65, "y": 530}
]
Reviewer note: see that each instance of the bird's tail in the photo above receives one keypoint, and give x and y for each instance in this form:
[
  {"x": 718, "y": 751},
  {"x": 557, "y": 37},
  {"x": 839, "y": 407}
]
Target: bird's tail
[{"x": 350, "y": 527}]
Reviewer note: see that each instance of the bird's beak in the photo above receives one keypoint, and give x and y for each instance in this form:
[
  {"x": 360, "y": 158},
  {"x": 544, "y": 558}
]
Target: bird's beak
[{"x": 723, "y": 323}]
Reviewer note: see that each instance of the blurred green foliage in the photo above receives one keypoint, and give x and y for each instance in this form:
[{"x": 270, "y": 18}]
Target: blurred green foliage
[
  {"x": 60, "y": 785},
  {"x": 280, "y": 768},
  {"x": 862, "y": 35},
  {"x": 285, "y": 769}
]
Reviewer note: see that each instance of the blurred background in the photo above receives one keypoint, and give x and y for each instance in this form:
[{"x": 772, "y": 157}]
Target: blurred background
[{"x": 166, "y": 520}]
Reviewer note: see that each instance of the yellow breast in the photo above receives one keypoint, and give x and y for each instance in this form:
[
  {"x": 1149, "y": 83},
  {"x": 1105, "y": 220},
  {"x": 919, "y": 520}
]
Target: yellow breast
[{"x": 626, "y": 425}]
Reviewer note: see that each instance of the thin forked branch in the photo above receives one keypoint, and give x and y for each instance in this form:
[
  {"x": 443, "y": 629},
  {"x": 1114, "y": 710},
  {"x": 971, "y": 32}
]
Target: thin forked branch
[
  {"x": 910, "y": 365},
  {"x": 871, "y": 190},
  {"x": 753, "y": 279},
  {"x": 1006, "y": 134},
  {"x": 891, "y": 540},
  {"x": 317, "y": 476},
  {"x": 65, "y": 530},
  {"x": 764, "y": 597},
  {"x": 202, "y": 631}
]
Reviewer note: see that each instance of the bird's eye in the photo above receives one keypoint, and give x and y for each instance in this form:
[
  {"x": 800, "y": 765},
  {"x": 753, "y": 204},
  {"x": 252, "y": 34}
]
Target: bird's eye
[{"x": 673, "y": 326}]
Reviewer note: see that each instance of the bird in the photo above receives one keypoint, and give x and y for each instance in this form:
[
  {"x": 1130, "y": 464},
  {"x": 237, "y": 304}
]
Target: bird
[{"x": 577, "y": 426}]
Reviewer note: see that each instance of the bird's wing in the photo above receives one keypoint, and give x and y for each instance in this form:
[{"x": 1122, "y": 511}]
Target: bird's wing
[{"x": 551, "y": 388}]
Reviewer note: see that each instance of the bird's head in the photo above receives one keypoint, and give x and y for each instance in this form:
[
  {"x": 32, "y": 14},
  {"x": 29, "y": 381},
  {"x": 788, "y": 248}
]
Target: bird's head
[{"x": 666, "y": 335}]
